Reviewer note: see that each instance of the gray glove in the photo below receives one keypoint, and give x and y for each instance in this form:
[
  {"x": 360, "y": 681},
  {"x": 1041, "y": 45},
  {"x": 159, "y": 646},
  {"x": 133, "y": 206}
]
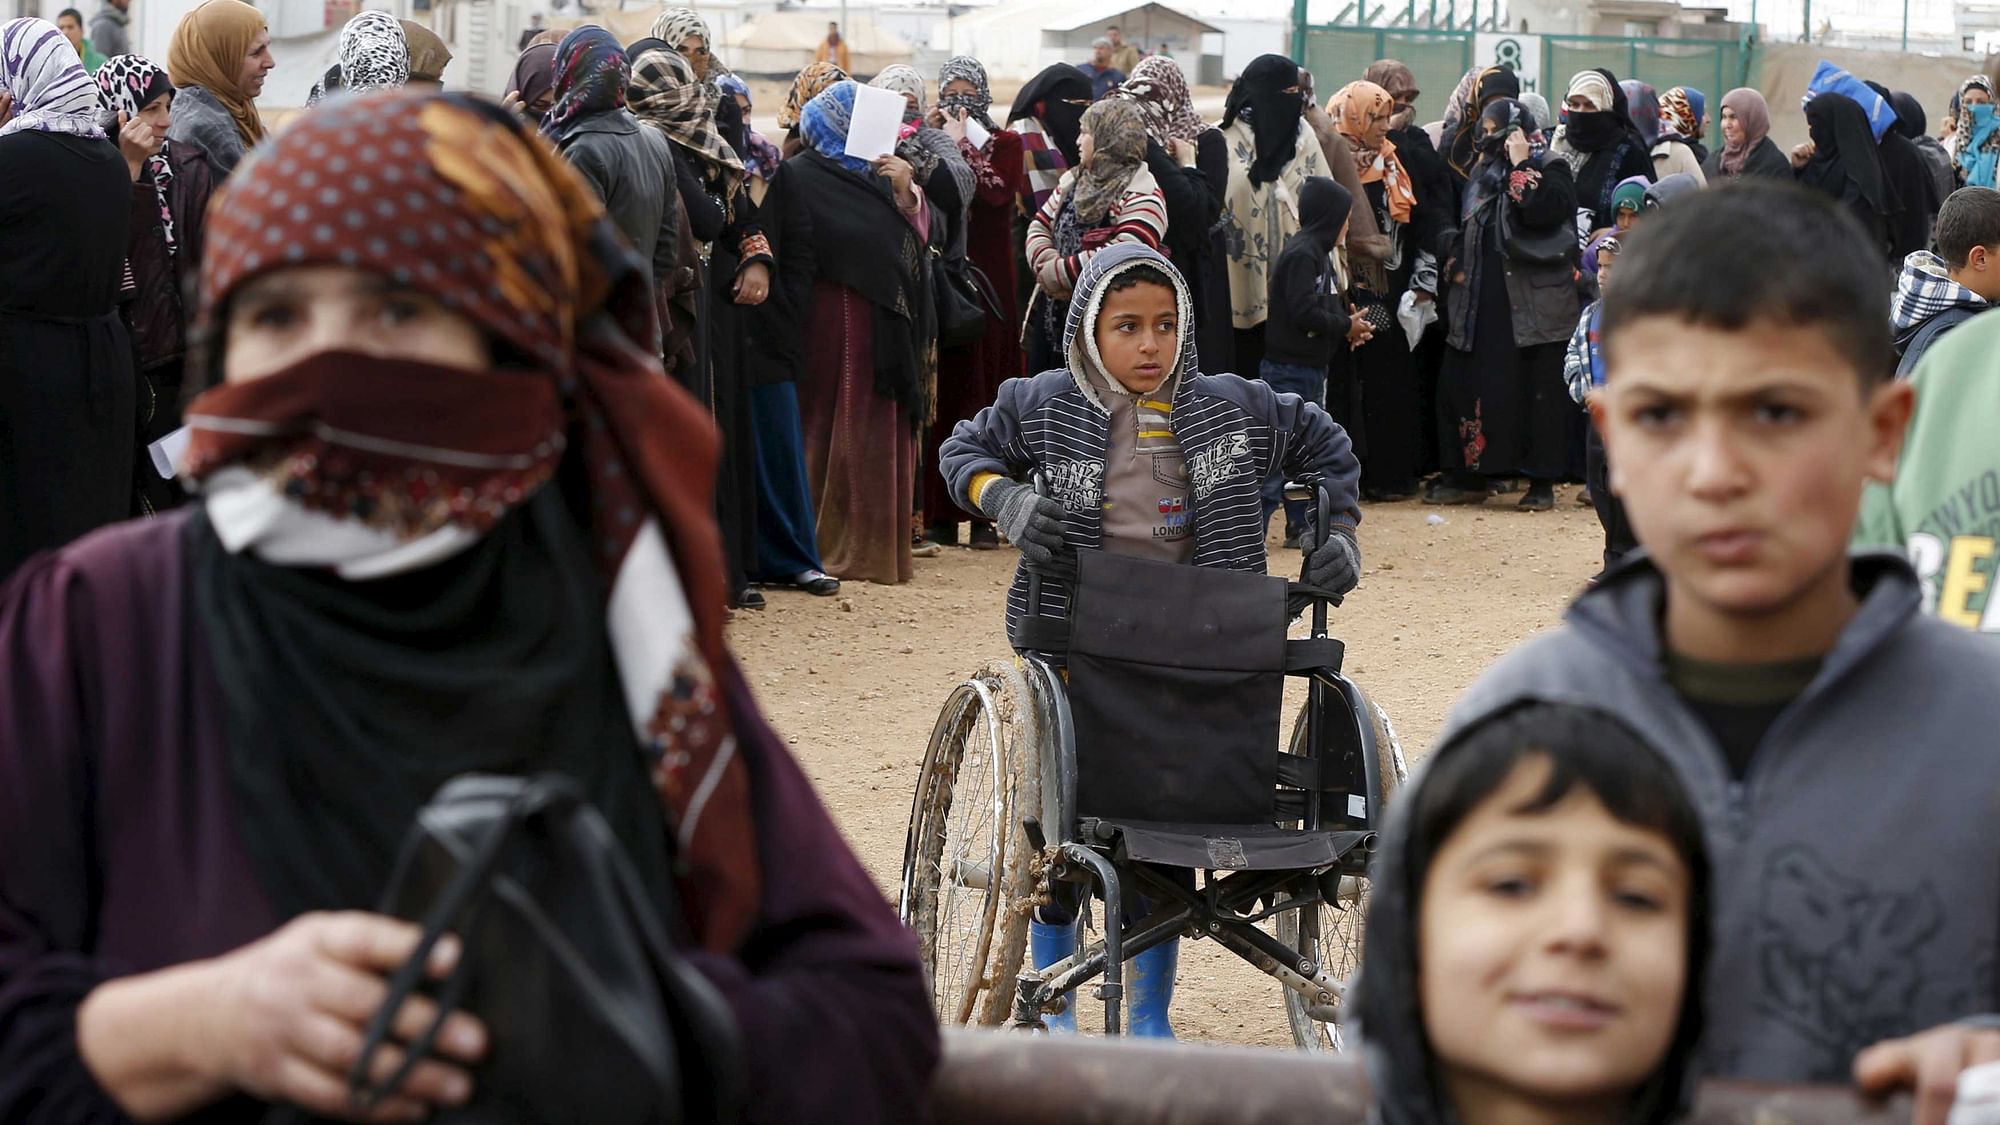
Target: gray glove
[
  {"x": 1032, "y": 523},
  {"x": 1336, "y": 564}
]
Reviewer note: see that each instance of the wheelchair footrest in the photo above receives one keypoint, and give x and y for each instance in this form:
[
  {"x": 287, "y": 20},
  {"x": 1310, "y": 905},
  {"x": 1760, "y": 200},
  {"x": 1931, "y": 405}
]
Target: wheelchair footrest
[{"x": 1223, "y": 847}]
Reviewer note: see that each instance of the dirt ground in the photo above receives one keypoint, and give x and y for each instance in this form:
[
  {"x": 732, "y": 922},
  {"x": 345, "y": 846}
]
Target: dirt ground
[{"x": 855, "y": 682}]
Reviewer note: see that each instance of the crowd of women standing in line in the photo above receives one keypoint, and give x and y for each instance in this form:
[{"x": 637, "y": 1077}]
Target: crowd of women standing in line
[{"x": 839, "y": 315}]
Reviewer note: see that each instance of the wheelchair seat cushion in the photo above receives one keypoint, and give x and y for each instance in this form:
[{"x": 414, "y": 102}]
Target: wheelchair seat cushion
[{"x": 1176, "y": 687}]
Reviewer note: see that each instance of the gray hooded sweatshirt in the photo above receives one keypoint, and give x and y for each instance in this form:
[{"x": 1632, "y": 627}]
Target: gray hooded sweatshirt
[{"x": 1857, "y": 863}]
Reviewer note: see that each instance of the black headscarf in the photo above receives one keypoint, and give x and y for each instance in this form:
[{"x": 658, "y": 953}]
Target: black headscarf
[
  {"x": 1047, "y": 98},
  {"x": 1494, "y": 83},
  {"x": 1845, "y": 164},
  {"x": 1267, "y": 94},
  {"x": 1912, "y": 193},
  {"x": 1403, "y": 1070},
  {"x": 1911, "y": 121}
]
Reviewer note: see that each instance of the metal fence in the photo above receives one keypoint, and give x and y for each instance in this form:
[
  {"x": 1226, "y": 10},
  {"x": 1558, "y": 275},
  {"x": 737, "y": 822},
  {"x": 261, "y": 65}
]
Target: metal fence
[{"x": 1338, "y": 54}]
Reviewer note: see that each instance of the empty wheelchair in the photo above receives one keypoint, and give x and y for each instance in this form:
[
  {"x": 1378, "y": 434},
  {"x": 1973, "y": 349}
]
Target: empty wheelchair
[{"x": 1135, "y": 755}]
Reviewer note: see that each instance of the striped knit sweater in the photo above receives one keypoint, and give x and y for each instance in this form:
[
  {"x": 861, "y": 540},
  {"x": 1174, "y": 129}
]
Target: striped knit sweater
[
  {"x": 1140, "y": 215},
  {"x": 1233, "y": 432}
]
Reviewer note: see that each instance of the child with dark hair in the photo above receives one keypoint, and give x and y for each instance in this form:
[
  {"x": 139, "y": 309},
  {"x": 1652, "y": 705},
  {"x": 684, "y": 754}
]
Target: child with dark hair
[
  {"x": 1940, "y": 291},
  {"x": 1537, "y": 930},
  {"x": 1838, "y": 744},
  {"x": 1309, "y": 323},
  {"x": 1144, "y": 455}
]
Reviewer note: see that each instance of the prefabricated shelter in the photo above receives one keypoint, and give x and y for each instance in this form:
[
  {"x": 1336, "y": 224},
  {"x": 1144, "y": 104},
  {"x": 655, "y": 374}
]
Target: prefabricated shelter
[
  {"x": 780, "y": 44},
  {"x": 1017, "y": 38}
]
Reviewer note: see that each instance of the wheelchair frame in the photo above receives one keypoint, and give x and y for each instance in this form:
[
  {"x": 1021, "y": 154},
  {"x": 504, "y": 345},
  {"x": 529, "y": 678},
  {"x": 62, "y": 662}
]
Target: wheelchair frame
[{"x": 1338, "y": 721}]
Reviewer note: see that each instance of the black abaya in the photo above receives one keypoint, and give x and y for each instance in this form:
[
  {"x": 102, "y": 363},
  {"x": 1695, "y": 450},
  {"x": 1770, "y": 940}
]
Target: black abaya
[
  {"x": 1194, "y": 202},
  {"x": 68, "y": 413},
  {"x": 1503, "y": 410}
]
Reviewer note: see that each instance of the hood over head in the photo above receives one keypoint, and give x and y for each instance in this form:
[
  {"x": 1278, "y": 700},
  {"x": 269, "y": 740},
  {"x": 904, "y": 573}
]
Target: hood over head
[
  {"x": 1324, "y": 206},
  {"x": 1385, "y": 997},
  {"x": 1087, "y": 302},
  {"x": 1673, "y": 187},
  {"x": 1924, "y": 289}
]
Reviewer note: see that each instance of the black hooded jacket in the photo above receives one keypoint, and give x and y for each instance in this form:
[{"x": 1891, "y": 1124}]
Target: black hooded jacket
[
  {"x": 1308, "y": 320},
  {"x": 1385, "y": 998}
]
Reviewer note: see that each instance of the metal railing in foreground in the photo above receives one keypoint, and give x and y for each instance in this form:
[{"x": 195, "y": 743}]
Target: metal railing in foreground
[{"x": 1004, "y": 1078}]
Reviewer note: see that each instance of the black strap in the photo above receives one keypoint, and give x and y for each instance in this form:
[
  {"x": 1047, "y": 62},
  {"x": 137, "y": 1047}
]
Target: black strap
[
  {"x": 1297, "y": 772},
  {"x": 1041, "y": 634},
  {"x": 1307, "y": 655}
]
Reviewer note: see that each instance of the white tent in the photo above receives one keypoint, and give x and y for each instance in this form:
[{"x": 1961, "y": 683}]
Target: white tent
[
  {"x": 1016, "y": 39},
  {"x": 780, "y": 44}
]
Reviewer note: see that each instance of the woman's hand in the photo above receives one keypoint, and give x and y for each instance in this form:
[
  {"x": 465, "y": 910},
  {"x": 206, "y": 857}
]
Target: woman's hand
[
  {"x": 936, "y": 117},
  {"x": 1517, "y": 147},
  {"x": 753, "y": 283},
  {"x": 1803, "y": 154},
  {"x": 138, "y": 140},
  {"x": 1359, "y": 331},
  {"x": 1184, "y": 152},
  {"x": 6, "y": 107},
  {"x": 512, "y": 103},
  {"x": 901, "y": 177},
  {"x": 954, "y": 125}
]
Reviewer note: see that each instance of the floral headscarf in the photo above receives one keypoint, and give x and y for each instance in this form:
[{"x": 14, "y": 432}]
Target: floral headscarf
[
  {"x": 763, "y": 158},
  {"x": 979, "y": 104},
  {"x": 127, "y": 84},
  {"x": 374, "y": 54},
  {"x": 590, "y": 78},
  {"x": 1678, "y": 115},
  {"x": 825, "y": 122},
  {"x": 1351, "y": 109},
  {"x": 904, "y": 79},
  {"x": 810, "y": 83},
  {"x": 208, "y": 50},
  {"x": 52, "y": 92},
  {"x": 494, "y": 225},
  {"x": 1118, "y": 151},
  {"x": 1159, "y": 90},
  {"x": 666, "y": 94}
]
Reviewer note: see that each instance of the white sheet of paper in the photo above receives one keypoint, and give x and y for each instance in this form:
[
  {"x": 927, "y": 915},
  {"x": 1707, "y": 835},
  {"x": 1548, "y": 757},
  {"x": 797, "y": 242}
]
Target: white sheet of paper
[
  {"x": 167, "y": 451},
  {"x": 878, "y": 117},
  {"x": 976, "y": 133}
]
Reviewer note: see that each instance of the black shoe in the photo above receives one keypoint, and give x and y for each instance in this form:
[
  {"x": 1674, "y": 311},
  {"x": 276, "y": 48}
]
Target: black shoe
[
  {"x": 1442, "y": 493},
  {"x": 943, "y": 534},
  {"x": 984, "y": 537},
  {"x": 1387, "y": 495},
  {"x": 1540, "y": 497},
  {"x": 818, "y": 583},
  {"x": 749, "y": 597},
  {"x": 1500, "y": 486}
]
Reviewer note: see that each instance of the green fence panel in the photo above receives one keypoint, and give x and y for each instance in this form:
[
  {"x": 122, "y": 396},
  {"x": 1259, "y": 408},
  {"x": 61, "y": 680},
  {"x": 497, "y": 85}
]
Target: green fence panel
[
  {"x": 1711, "y": 66},
  {"x": 1438, "y": 59}
]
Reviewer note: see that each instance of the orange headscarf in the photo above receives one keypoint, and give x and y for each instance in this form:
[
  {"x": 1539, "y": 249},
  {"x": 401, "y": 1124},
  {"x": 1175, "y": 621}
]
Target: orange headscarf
[
  {"x": 208, "y": 51},
  {"x": 1351, "y": 109}
]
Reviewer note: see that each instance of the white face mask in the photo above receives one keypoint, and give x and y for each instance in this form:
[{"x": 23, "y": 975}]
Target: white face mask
[{"x": 251, "y": 514}]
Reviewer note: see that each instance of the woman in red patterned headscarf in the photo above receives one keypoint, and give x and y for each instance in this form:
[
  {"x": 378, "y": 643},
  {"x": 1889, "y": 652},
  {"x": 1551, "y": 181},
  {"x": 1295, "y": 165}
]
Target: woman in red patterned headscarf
[{"x": 451, "y": 517}]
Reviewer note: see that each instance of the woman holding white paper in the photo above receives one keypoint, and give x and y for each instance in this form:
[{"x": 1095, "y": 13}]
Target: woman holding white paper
[{"x": 853, "y": 270}]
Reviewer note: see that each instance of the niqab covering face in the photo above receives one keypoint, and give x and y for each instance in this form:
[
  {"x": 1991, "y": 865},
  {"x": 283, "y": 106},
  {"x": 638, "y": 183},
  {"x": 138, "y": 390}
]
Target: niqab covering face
[
  {"x": 1267, "y": 93},
  {"x": 1160, "y": 91},
  {"x": 760, "y": 156},
  {"x": 591, "y": 77},
  {"x": 209, "y": 48},
  {"x": 1056, "y": 98},
  {"x": 496, "y": 227},
  {"x": 1845, "y": 157},
  {"x": 52, "y": 92}
]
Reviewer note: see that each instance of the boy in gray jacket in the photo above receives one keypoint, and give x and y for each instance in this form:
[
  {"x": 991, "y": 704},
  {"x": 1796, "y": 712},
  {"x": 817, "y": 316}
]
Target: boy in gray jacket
[{"x": 1841, "y": 747}]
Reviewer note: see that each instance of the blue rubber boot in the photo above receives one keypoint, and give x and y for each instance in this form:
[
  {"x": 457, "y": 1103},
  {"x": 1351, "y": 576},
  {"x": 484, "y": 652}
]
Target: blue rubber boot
[
  {"x": 1048, "y": 944},
  {"x": 1149, "y": 990}
]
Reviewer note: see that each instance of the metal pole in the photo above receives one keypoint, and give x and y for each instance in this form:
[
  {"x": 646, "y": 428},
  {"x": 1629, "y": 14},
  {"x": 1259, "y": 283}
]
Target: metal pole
[
  {"x": 1906, "y": 25},
  {"x": 1299, "y": 31},
  {"x": 1808, "y": 37}
]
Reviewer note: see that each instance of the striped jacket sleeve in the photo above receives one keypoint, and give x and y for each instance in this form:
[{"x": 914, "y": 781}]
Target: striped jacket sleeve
[
  {"x": 1137, "y": 217},
  {"x": 1576, "y": 361}
]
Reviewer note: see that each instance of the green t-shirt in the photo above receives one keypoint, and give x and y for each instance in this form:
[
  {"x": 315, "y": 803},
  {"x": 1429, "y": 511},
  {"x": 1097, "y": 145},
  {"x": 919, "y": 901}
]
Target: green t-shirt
[
  {"x": 1738, "y": 702},
  {"x": 92, "y": 60},
  {"x": 1943, "y": 511}
]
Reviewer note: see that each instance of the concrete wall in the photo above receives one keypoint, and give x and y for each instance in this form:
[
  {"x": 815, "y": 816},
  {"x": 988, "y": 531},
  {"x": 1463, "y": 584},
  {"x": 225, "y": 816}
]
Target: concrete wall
[{"x": 1781, "y": 71}]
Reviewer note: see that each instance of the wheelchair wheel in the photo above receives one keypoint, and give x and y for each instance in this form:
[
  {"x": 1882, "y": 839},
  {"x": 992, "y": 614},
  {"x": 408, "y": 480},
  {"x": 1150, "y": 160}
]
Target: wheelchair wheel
[
  {"x": 967, "y": 871},
  {"x": 1337, "y": 945}
]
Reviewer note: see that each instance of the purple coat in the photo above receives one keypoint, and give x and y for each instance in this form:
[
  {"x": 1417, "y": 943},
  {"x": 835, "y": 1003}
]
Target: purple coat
[{"x": 119, "y": 853}]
